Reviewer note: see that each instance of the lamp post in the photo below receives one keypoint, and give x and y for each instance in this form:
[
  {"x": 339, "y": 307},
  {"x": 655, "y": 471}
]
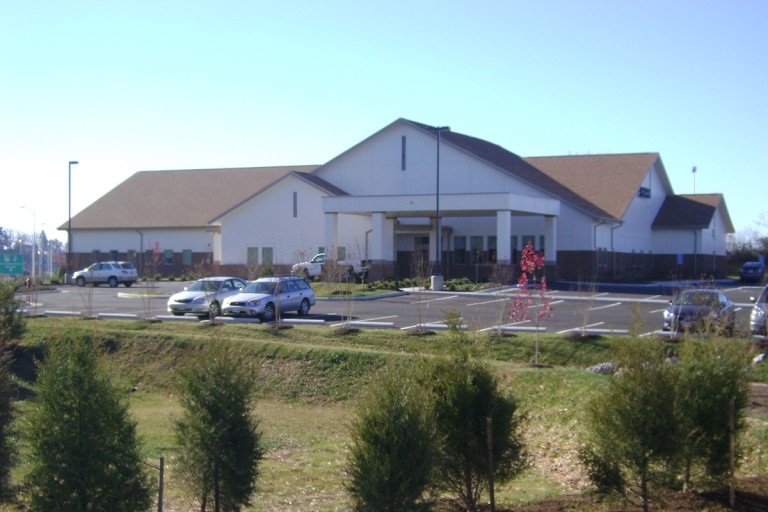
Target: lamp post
[
  {"x": 437, "y": 282},
  {"x": 69, "y": 223},
  {"x": 34, "y": 241}
]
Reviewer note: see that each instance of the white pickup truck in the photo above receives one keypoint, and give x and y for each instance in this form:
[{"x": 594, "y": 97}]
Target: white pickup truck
[{"x": 348, "y": 269}]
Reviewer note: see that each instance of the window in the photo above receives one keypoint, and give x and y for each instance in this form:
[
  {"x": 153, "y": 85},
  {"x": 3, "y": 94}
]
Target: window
[
  {"x": 266, "y": 255},
  {"x": 460, "y": 250},
  {"x": 602, "y": 257},
  {"x": 252, "y": 257},
  {"x": 131, "y": 255},
  {"x": 529, "y": 238},
  {"x": 402, "y": 153},
  {"x": 421, "y": 243},
  {"x": 476, "y": 243},
  {"x": 295, "y": 204},
  {"x": 321, "y": 250},
  {"x": 168, "y": 257},
  {"x": 541, "y": 244},
  {"x": 492, "y": 249},
  {"x": 186, "y": 257},
  {"x": 113, "y": 255},
  {"x": 341, "y": 253},
  {"x": 95, "y": 254},
  {"x": 513, "y": 248}
]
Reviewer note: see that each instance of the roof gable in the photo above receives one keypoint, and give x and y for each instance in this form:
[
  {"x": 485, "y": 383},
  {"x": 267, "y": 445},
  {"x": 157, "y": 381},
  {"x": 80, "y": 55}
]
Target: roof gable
[
  {"x": 692, "y": 211},
  {"x": 313, "y": 180},
  {"x": 177, "y": 199},
  {"x": 513, "y": 164},
  {"x": 609, "y": 181}
]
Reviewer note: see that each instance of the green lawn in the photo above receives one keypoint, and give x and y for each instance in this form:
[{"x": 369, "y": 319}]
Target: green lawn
[{"x": 309, "y": 378}]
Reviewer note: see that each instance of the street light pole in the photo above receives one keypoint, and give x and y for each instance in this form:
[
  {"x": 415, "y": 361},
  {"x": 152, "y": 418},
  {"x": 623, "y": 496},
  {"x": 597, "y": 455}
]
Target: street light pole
[
  {"x": 69, "y": 223},
  {"x": 34, "y": 242}
]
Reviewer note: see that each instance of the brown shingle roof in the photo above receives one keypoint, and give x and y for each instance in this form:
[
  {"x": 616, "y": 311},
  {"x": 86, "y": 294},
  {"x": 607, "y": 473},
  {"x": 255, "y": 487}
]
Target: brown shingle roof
[
  {"x": 609, "y": 181},
  {"x": 691, "y": 212},
  {"x": 177, "y": 199},
  {"x": 519, "y": 167}
]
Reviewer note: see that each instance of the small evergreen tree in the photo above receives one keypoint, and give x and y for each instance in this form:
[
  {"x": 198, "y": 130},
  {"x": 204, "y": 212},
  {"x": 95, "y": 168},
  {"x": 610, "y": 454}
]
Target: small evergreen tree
[
  {"x": 394, "y": 448},
  {"x": 712, "y": 377},
  {"x": 84, "y": 450},
  {"x": 11, "y": 327},
  {"x": 7, "y": 410},
  {"x": 218, "y": 437},
  {"x": 12, "y": 323},
  {"x": 632, "y": 429},
  {"x": 466, "y": 394}
]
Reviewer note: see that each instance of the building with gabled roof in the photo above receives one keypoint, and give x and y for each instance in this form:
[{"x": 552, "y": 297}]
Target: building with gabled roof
[{"x": 466, "y": 205}]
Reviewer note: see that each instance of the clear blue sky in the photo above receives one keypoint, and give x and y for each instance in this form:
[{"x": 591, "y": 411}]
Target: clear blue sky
[{"x": 150, "y": 85}]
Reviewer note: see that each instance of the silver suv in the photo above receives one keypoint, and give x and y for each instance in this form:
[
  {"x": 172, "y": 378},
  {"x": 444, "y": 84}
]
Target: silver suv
[
  {"x": 268, "y": 296},
  {"x": 109, "y": 272}
]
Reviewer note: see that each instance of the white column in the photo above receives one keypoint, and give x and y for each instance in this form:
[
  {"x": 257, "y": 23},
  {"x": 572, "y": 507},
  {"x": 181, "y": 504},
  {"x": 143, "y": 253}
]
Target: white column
[
  {"x": 550, "y": 232},
  {"x": 382, "y": 238},
  {"x": 503, "y": 237},
  {"x": 331, "y": 235}
]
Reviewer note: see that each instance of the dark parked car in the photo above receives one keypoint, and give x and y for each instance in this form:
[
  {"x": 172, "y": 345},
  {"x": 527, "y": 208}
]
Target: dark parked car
[
  {"x": 752, "y": 271},
  {"x": 759, "y": 312},
  {"x": 700, "y": 310}
]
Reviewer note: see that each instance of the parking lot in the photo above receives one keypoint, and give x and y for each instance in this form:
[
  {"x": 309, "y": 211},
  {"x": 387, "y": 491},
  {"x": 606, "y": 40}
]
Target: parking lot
[{"x": 572, "y": 311}]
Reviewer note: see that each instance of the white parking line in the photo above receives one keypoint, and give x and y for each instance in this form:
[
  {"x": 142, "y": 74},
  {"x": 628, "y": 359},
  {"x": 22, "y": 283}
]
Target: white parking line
[
  {"x": 379, "y": 318},
  {"x": 581, "y": 328},
  {"x": 434, "y": 300},
  {"x": 657, "y": 311},
  {"x": 605, "y": 307},
  {"x": 487, "y": 302}
]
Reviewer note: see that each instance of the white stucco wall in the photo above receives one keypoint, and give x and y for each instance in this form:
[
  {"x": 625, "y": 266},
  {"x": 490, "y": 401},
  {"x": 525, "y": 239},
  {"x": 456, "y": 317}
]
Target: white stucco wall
[
  {"x": 374, "y": 168},
  {"x": 268, "y": 221},
  {"x": 177, "y": 240},
  {"x": 636, "y": 234}
]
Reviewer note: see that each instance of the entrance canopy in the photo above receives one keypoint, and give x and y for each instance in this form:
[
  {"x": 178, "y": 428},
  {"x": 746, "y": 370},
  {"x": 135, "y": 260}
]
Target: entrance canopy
[{"x": 383, "y": 210}]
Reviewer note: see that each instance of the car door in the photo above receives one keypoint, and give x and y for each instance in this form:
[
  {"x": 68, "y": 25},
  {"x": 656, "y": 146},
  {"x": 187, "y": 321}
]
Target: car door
[{"x": 288, "y": 296}]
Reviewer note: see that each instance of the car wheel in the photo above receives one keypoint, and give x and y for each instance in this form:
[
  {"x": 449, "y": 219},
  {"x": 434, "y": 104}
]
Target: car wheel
[
  {"x": 177, "y": 313},
  {"x": 80, "y": 281},
  {"x": 128, "y": 284},
  {"x": 112, "y": 282},
  {"x": 214, "y": 310},
  {"x": 303, "y": 308},
  {"x": 269, "y": 313}
]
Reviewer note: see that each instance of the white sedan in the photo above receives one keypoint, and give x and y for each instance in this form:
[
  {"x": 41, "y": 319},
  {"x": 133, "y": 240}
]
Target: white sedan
[{"x": 204, "y": 296}]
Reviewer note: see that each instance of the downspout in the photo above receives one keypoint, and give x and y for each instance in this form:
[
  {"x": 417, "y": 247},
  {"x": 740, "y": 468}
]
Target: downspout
[
  {"x": 141, "y": 252},
  {"x": 613, "y": 250},
  {"x": 594, "y": 244},
  {"x": 366, "y": 242},
  {"x": 695, "y": 254}
]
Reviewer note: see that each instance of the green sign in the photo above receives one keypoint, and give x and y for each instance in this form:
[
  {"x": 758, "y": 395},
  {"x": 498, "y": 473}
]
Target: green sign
[{"x": 12, "y": 264}]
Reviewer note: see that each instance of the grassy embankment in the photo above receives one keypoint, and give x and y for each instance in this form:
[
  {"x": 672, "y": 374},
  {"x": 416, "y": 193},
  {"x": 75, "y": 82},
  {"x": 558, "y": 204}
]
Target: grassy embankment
[{"x": 309, "y": 378}]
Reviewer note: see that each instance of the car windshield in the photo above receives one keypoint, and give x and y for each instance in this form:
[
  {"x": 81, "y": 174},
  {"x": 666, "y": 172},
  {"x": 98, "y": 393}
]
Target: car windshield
[
  {"x": 697, "y": 299},
  {"x": 261, "y": 287},
  {"x": 204, "y": 286}
]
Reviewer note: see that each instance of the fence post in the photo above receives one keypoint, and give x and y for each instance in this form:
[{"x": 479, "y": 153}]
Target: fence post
[
  {"x": 489, "y": 435},
  {"x": 160, "y": 487}
]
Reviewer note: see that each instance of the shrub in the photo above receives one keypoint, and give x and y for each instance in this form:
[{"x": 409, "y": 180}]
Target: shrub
[{"x": 394, "y": 448}]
